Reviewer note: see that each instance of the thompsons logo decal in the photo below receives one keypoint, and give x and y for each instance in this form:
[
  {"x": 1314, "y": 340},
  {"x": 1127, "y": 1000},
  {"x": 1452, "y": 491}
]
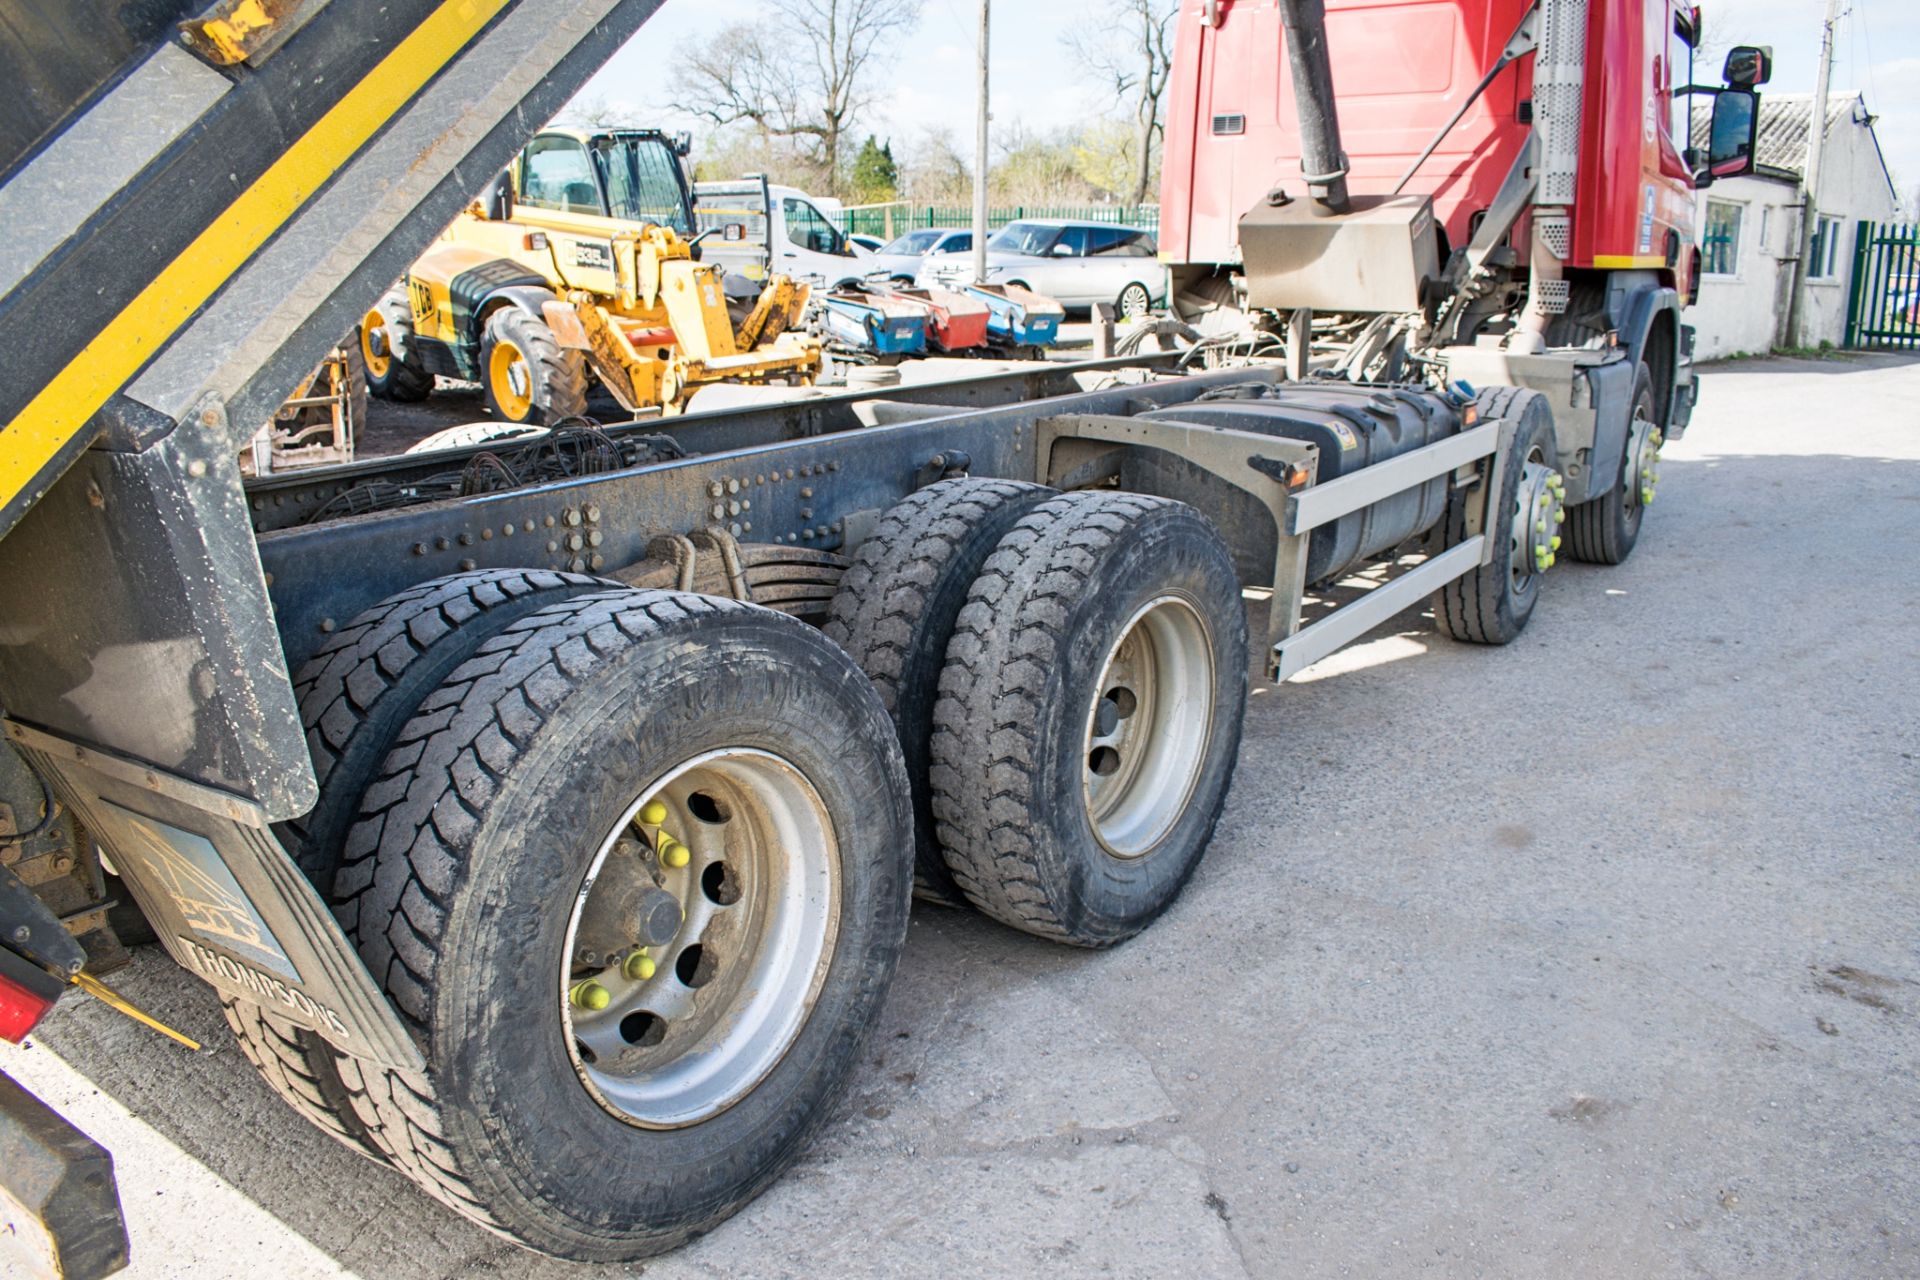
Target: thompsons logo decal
[{"x": 269, "y": 989}]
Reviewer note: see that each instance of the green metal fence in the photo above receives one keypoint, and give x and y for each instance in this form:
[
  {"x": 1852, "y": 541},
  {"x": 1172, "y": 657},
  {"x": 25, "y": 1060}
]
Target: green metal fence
[
  {"x": 1883, "y": 304},
  {"x": 897, "y": 219}
]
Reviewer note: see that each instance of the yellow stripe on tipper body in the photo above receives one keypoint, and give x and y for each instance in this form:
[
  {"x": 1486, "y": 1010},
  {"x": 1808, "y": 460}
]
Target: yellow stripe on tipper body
[
  {"x": 151, "y": 319},
  {"x": 1627, "y": 261}
]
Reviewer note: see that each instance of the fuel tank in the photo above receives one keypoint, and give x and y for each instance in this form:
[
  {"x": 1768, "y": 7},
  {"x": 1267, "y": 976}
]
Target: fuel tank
[{"x": 1355, "y": 426}]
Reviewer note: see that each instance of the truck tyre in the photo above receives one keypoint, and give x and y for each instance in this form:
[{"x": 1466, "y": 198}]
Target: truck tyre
[
  {"x": 894, "y": 613},
  {"x": 1492, "y": 604},
  {"x": 605, "y": 760},
  {"x": 394, "y": 368},
  {"x": 526, "y": 374},
  {"x": 355, "y": 694},
  {"x": 1604, "y": 529},
  {"x": 1089, "y": 715}
]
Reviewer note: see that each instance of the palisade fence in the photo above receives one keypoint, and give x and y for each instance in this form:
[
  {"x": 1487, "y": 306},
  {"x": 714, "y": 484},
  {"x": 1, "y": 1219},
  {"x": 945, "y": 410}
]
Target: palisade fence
[
  {"x": 890, "y": 220},
  {"x": 1883, "y": 304}
]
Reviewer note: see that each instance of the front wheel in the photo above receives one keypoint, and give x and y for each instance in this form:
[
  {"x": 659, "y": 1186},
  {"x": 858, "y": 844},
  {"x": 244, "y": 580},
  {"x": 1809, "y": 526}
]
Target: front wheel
[
  {"x": 1493, "y": 603},
  {"x": 1134, "y": 301},
  {"x": 639, "y": 926},
  {"x": 527, "y": 375},
  {"x": 1603, "y": 530}
]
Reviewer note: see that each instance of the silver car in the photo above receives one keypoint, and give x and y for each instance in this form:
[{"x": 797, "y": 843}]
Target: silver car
[
  {"x": 901, "y": 258},
  {"x": 1074, "y": 263}
]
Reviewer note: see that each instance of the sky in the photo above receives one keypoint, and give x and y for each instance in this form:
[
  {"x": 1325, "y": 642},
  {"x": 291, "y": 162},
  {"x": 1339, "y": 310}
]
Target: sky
[{"x": 928, "y": 80}]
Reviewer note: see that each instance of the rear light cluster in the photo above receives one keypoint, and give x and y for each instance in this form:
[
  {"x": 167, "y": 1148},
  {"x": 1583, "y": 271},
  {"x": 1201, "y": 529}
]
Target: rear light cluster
[{"x": 26, "y": 993}]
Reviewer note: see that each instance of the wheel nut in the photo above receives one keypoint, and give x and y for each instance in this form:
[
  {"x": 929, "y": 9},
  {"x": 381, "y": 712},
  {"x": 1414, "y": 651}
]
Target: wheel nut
[
  {"x": 639, "y": 966},
  {"x": 590, "y": 995},
  {"x": 674, "y": 854},
  {"x": 653, "y": 813},
  {"x": 1555, "y": 544}
]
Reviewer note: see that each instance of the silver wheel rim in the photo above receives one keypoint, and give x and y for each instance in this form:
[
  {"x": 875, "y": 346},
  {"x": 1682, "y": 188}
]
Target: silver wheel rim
[
  {"x": 1148, "y": 728},
  {"x": 1134, "y": 302},
  {"x": 680, "y": 1039},
  {"x": 1539, "y": 509}
]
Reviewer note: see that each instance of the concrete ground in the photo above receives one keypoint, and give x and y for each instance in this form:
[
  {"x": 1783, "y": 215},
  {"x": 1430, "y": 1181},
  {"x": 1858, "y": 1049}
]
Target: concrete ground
[{"x": 1596, "y": 955}]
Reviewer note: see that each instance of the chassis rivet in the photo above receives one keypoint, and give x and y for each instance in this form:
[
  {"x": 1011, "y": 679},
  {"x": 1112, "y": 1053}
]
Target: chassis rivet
[
  {"x": 468, "y": 564},
  {"x": 833, "y": 466},
  {"x": 593, "y": 513},
  {"x": 733, "y": 486},
  {"x": 419, "y": 548},
  {"x": 714, "y": 490},
  {"x": 196, "y": 468},
  {"x": 326, "y": 626}
]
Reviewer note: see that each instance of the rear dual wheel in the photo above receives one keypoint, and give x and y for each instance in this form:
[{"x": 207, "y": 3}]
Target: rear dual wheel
[{"x": 639, "y": 926}]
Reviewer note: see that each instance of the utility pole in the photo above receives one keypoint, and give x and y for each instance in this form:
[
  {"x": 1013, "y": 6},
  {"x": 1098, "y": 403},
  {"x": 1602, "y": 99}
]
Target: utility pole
[
  {"x": 1810, "y": 208},
  {"x": 980, "y": 160}
]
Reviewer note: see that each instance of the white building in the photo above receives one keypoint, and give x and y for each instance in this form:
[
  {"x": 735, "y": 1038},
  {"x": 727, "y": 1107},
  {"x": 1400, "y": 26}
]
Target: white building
[{"x": 1749, "y": 226}]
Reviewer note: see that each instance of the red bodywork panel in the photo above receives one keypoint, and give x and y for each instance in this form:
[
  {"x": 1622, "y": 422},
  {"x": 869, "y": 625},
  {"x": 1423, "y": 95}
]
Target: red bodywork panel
[{"x": 1400, "y": 68}]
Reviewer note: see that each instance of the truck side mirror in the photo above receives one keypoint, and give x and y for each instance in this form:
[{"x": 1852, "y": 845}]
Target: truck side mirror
[
  {"x": 1731, "y": 133},
  {"x": 1748, "y": 65}
]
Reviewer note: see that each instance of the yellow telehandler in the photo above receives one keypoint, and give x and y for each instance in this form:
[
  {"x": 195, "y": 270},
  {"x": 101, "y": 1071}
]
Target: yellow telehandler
[{"x": 580, "y": 263}]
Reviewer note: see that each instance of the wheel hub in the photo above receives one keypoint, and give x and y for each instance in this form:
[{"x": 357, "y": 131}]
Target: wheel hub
[
  {"x": 1643, "y": 461},
  {"x": 1539, "y": 509},
  {"x": 1148, "y": 727},
  {"x": 700, "y": 938}
]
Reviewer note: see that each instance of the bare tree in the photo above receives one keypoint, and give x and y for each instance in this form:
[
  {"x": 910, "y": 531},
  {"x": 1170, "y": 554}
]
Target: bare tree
[
  {"x": 1128, "y": 45},
  {"x": 801, "y": 73}
]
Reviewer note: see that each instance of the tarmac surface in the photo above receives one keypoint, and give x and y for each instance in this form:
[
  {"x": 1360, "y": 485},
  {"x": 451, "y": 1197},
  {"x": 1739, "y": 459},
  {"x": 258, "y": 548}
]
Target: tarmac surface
[{"x": 1597, "y": 955}]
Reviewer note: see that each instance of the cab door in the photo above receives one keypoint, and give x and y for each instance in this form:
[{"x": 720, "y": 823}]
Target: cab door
[{"x": 559, "y": 193}]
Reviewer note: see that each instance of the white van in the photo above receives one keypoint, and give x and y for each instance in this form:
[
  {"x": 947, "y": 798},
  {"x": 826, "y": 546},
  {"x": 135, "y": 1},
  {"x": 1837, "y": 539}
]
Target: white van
[{"x": 782, "y": 229}]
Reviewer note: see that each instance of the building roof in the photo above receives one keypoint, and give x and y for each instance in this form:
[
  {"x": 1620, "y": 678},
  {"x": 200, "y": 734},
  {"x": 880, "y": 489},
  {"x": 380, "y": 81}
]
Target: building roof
[{"x": 1786, "y": 127}]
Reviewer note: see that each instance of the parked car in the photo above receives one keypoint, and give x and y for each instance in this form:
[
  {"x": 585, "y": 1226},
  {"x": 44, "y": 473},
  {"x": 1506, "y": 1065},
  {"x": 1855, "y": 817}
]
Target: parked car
[
  {"x": 1076, "y": 263},
  {"x": 901, "y": 257}
]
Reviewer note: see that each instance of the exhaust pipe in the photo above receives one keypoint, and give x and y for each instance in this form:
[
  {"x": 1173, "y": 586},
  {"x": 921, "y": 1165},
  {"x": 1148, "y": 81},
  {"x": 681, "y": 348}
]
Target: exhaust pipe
[{"x": 1322, "y": 161}]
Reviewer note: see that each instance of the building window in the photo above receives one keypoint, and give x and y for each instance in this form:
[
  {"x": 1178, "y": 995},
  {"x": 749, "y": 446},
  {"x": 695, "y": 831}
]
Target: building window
[
  {"x": 1720, "y": 241},
  {"x": 1826, "y": 244}
]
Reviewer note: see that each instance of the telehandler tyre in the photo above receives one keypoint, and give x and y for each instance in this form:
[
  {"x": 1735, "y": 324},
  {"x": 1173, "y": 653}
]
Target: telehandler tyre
[
  {"x": 1089, "y": 715},
  {"x": 1604, "y": 529},
  {"x": 355, "y": 694},
  {"x": 644, "y": 863},
  {"x": 894, "y": 613},
  {"x": 394, "y": 368},
  {"x": 527, "y": 375},
  {"x": 1493, "y": 603}
]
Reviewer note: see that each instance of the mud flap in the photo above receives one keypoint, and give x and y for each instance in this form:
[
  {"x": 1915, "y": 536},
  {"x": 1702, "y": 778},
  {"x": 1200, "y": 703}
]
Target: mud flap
[{"x": 223, "y": 896}]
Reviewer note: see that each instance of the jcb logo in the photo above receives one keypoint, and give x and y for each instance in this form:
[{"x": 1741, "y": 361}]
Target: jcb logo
[{"x": 422, "y": 298}]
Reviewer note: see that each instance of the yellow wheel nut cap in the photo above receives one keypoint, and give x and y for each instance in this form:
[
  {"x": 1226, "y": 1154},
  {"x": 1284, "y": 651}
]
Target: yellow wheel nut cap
[
  {"x": 653, "y": 813},
  {"x": 674, "y": 854},
  {"x": 1555, "y": 544},
  {"x": 639, "y": 966},
  {"x": 591, "y": 995}
]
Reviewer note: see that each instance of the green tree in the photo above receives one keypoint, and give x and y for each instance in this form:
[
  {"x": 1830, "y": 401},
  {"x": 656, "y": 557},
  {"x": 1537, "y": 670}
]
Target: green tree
[{"x": 876, "y": 178}]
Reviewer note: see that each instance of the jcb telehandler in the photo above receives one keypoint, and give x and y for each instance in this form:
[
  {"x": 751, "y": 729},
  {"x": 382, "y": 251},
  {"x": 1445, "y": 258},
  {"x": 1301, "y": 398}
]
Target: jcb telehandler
[{"x": 580, "y": 263}]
